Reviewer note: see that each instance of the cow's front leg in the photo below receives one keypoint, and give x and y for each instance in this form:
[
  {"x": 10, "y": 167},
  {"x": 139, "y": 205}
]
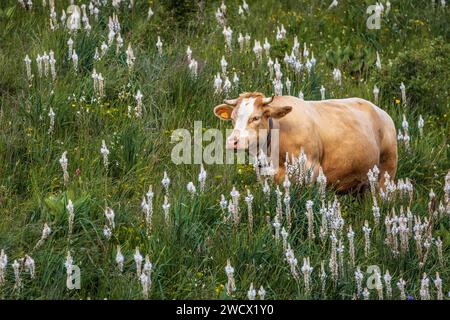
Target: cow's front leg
[
  {"x": 310, "y": 165},
  {"x": 279, "y": 176},
  {"x": 314, "y": 166}
]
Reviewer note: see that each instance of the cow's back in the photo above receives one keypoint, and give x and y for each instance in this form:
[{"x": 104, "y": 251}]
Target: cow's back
[{"x": 340, "y": 117}]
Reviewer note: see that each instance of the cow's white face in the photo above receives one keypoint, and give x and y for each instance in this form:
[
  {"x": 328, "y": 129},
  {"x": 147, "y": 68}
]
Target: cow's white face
[
  {"x": 241, "y": 134},
  {"x": 249, "y": 115}
]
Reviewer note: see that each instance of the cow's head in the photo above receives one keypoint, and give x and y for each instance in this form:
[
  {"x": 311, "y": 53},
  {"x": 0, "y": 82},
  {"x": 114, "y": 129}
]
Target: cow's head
[{"x": 249, "y": 113}]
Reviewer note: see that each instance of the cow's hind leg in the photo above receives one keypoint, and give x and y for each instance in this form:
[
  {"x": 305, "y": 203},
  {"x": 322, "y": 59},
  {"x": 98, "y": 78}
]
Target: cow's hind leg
[
  {"x": 279, "y": 176},
  {"x": 388, "y": 163}
]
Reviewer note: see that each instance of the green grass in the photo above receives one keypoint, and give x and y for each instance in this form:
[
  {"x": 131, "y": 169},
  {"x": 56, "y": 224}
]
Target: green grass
[{"x": 189, "y": 254}]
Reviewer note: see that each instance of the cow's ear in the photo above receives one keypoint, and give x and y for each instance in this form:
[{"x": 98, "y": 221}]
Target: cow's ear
[
  {"x": 223, "y": 111},
  {"x": 277, "y": 112}
]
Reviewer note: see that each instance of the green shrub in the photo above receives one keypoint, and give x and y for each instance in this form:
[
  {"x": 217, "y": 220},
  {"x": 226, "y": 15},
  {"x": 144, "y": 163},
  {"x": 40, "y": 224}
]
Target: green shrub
[
  {"x": 424, "y": 73},
  {"x": 182, "y": 10},
  {"x": 354, "y": 60}
]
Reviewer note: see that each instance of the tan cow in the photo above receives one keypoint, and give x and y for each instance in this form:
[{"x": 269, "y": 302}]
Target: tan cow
[{"x": 346, "y": 137}]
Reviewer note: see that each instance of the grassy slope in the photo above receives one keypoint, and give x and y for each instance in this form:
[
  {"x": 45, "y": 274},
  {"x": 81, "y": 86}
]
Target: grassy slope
[{"x": 189, "y": 255}]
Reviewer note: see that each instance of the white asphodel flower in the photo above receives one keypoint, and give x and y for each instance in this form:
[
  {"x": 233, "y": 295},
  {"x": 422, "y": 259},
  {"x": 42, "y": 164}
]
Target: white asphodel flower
[
  {"x": 107, "y": 232},
  {"x": 226, "y": 85},
  {"x": 191, "y": 188},
  {"x": 105, "y": 153},
  {"x": 262, "y": 293},
  {"x": 217, "y": 83},
  {"x": 45, "y": 233},
  {"x": 337, "y": 76},
  {"x": 119, "y": 43},
  {"x": 138, "y": 260},
  {"x": 288, "y": 86},
  {"x": 29, "y": 265},
  {"x": 159, "y": 45},
  {"x": 149, "y": 13},
  {"x": 51, "y": 115},
  {"x": 68, "y": 264},
  {"x": 166, "y": 208},
  {"x": 420, "y": 124},
  {"x": 403, "y": 91},
  {"x": 223, "y": 64},
  {"x": 16, "y": 268},
  {"x": 75, "y": 61},
  {"x": 28, "y": 68},
  {"x": 235, "y": 79},
  {"x": 146, "y": 278},
  {"x": 220, "y": 17},
  {"x": 378, "y": 62},
  {"x": 307, "y": 270},
  {"x": 193, "y": 67},
  {"x": 376, "y": 92},
  {"x": 166, "y": 182},
  {"x": 202, "y": 178},
  {"x": 333, "y": 4},
  {"x": 366, "y": 230},
  {"x": 405, "y": 124},
  {"x": 241, "y": 11},
  {"x": 3, "y": 265},
  {"x": 266, "y": 47},
  {"x": 71, "y": 215},
  {"x": 241, "y": 42},
  {"x": 247, "y": 40},
  {"x": 223, "y": 202},
  {"x": 322, "y": 92},
  {"x": 251, "y": 293},
  {"x": 189, "y": 53},
  {"x": 130, "y": 57},
  {"x": 245, "y": 6},
  {"x": 292, "y": 261},
  {"x": 257, "y": 49},
  {"x": 119, "y": 259},
  {"x": 109, "y": 214},
  {"x": 229, "y": 270},
  {"x": 139, "y": 105},
  {"x": 228, "y": 33}
]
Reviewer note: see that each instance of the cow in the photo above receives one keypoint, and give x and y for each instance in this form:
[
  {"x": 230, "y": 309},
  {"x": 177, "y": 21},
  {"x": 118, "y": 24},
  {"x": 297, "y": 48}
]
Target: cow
[{"x": 344, "y": 137}]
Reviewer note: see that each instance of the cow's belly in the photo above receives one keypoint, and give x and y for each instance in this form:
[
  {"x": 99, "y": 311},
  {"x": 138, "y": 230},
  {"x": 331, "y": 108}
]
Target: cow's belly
[{"x": 346, "y": 164}]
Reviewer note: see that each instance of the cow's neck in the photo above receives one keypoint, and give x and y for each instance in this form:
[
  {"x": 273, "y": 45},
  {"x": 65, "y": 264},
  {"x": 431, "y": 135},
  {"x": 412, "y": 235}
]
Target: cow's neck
[
  {"x": 266, "y": 147},
  {"x": 267, "y": 143}
]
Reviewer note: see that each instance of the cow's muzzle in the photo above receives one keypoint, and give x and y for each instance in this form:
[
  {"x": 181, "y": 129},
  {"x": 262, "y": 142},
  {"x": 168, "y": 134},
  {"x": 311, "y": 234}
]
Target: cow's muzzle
[{"x": 236, "y": 142}]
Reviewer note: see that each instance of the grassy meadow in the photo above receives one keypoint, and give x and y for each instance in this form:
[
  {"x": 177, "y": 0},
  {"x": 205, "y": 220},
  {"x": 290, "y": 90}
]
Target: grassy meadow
[{"x": 42, "y": 116}]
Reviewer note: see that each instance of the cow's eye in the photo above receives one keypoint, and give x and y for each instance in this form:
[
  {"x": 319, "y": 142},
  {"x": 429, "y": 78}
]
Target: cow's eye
[{"x": 255, "y": 118}]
